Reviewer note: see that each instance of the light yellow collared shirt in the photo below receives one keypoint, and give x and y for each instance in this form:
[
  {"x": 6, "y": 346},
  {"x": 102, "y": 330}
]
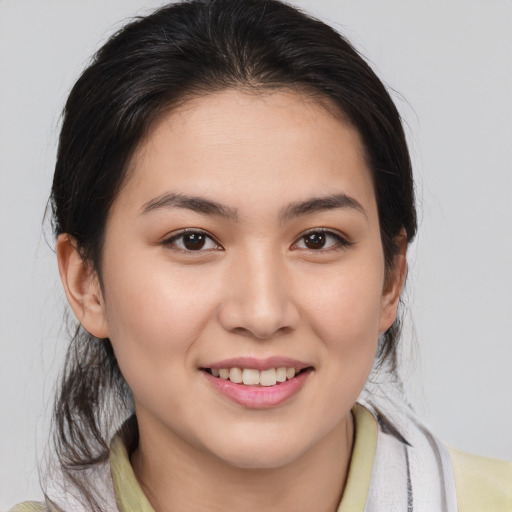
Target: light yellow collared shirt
[{"x": 482, "y": 484}]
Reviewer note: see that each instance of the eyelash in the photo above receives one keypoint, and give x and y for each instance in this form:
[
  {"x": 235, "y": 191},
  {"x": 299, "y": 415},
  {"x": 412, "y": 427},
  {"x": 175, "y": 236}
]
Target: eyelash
[
  {"x": 341, "y": 242},
  {"x": 170, "y": 242}
]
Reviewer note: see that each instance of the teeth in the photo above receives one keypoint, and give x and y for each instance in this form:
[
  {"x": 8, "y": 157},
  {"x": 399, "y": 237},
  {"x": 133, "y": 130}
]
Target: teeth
[
  {"x": 235, "y": 375},
  {"x": 290, "y": 373},
  {"x": 253, "y": 377},
  {"x": 268, "y": 377},
  {"x": 281, "y": 374}
]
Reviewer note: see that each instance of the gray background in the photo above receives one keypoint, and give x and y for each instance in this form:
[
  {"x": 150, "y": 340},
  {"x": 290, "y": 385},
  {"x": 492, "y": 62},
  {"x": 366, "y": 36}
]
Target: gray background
[{"x": 451, "y": 67}]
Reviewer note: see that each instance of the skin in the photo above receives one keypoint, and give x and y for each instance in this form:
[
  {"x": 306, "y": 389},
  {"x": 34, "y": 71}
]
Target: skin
[{"x": 255, "y": 289}]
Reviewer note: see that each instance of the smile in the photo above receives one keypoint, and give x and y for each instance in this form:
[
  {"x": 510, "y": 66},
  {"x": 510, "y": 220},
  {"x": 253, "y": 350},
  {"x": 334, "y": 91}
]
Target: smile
[
  {"x": 257, "y": 384},
  {"x": 254, "y": 377}
]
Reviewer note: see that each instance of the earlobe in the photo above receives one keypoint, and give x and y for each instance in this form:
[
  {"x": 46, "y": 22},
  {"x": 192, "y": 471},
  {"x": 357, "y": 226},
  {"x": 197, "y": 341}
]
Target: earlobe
[
  {"x": 395, "y": 280},
  {"x": 82, "y": 287}
]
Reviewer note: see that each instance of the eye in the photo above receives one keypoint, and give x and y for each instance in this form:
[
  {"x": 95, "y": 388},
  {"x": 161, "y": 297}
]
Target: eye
[
  {"x": 321, "y": 239},
  {"x": 192, "y": 240}
]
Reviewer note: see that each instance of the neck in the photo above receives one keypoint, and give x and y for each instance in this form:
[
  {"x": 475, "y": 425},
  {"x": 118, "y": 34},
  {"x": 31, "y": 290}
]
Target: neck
[{"x": 177, "y": 477}]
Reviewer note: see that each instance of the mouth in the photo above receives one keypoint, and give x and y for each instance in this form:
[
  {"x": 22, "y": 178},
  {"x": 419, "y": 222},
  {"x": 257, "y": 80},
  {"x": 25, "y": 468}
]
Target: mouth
[
  {"x": 254, "y": 377},
  {"x": 256, "y": 383}
]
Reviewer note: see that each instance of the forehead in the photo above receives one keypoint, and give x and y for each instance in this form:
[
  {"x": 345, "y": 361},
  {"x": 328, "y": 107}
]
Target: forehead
[{"x": 232, "y": 143}]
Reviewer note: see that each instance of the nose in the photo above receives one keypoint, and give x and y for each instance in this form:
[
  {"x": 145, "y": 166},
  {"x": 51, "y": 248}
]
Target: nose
[{"x": 258, "y": 299}]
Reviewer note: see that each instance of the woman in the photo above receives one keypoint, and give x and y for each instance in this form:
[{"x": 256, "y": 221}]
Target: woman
[{"x": 233, "y": 201}]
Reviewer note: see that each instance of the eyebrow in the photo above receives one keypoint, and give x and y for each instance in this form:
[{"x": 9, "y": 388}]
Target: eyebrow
[
  {"x": 195, "y": 203},
  {"x": 209, "y": 207},
  {"x": 318, "y": 204}
]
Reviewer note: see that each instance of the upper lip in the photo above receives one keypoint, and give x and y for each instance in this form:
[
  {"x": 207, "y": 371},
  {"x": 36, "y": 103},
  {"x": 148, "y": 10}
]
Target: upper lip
[{"x": 259, "y": 364}]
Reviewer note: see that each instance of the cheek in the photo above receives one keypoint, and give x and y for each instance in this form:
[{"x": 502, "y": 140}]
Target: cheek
[
  {"x": 345, "y": 314},
  {"x": 154, "y": 317},
  {"x": 348, "y": 324},
  {"x": 346, "y": 310}
]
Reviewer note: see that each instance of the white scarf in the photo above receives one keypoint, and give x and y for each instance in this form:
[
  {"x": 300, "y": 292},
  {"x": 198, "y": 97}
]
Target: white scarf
[{"x": 413, "y": 471}]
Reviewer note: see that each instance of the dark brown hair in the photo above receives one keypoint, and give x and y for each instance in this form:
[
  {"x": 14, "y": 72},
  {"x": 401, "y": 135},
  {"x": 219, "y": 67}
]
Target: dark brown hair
[{"x": 151, "y": 65}]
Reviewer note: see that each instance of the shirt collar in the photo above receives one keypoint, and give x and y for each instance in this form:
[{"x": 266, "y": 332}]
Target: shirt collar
[{"x": 131, "y": 498}]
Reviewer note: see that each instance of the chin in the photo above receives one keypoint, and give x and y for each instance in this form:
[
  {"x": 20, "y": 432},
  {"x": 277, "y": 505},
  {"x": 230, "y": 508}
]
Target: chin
[
  {"x": 261, "y": 459},
  {"x": 265, "y": 452}
]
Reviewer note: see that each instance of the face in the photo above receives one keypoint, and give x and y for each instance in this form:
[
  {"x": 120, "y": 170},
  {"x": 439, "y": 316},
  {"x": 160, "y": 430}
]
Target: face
[{"x": 245, "y": 248}]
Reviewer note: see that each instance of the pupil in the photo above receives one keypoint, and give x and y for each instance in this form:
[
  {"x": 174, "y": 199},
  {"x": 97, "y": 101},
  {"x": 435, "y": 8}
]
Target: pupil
[
  {"x": 194, "y": 241},
  {"x": 315, "y": 240}
]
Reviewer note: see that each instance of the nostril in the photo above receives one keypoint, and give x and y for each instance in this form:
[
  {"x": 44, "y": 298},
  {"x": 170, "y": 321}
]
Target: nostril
[
  {"x": 261, "y": 334},
  {"x": 259, "y": 312}
]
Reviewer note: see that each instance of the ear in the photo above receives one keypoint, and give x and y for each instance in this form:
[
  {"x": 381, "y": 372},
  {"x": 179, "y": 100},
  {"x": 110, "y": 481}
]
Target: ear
[
  {"x": 82, "y": 287},
  {"x": 394, "y": 283}
]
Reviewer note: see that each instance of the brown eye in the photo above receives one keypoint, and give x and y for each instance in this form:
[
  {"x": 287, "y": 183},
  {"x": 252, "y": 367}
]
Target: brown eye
[
  {"x": 321, "y": 240},
  {"x": 190, "y": 241},
  {"x": 194, "y": 241},
  {"x": 314, "y": 240}
]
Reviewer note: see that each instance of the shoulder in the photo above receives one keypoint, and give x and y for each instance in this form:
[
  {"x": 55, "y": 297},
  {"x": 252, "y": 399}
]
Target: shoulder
[
  {"x": 29, "y": 506},
  {"x": 482, "y": 483}
]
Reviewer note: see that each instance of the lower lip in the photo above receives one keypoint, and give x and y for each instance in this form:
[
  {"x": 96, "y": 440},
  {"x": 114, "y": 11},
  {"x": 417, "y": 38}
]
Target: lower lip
[{"x": 258, "y": 397}]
